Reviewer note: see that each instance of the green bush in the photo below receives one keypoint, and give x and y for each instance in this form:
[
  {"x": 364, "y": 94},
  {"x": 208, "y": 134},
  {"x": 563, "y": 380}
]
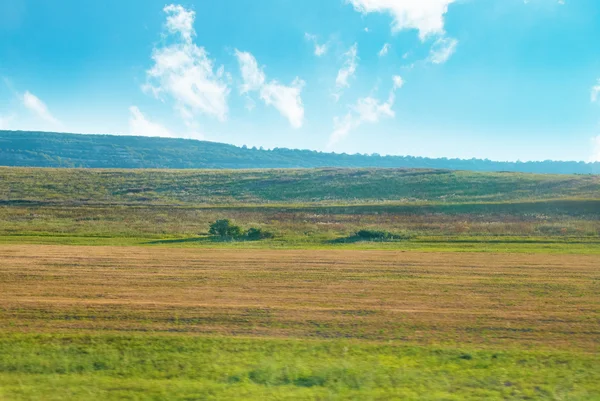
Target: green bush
[
  {"x": 225, "y": 228},
  {"x": 255, "y": 234}
]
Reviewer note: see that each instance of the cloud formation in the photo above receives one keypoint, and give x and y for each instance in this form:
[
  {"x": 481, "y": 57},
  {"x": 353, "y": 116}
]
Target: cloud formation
[
  {"x": 366, "y": 110},
  {"x": 442, "y": 49},
  {"x": 347, "y": 71},
  {"x": 180, "y": 21},
  {"x": 252, "y": 75},
  {"x": 398, "y": 82},
  {"x": 286, "y": 99},
  {"x": 320, "y": 50},
  {"x": 384, "y": 50},
  {"x": 139, "y": 125},
  {"x": 426, "y": 16},
  {"x": 35, "y": 104},
  {"x": 184, "y": 73}
]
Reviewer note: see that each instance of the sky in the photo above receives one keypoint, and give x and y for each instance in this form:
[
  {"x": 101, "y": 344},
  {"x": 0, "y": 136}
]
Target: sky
[{"x": 498, "y": 79}]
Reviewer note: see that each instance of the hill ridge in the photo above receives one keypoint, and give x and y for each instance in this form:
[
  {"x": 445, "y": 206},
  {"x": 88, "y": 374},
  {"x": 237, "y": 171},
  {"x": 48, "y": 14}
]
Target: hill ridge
[{"x": 51, "y": 149}]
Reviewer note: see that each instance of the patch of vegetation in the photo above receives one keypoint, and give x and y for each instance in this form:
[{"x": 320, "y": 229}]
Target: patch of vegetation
[
  {"x": 369, "y": 235},
  {"x": 226, "y": 230},
  {"x": 256, "y": 234}
]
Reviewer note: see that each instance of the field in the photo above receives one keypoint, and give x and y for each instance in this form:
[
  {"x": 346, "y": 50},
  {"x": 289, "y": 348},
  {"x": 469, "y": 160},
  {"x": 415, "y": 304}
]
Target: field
[
  {"x": 113, "y": 289},
  {"x": 433, "y": 209},
  {"x": 73, "y": 314}
]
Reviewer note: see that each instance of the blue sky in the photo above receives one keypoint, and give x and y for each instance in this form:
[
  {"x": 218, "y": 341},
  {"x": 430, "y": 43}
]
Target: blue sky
[{"x": 497, "y": 79}]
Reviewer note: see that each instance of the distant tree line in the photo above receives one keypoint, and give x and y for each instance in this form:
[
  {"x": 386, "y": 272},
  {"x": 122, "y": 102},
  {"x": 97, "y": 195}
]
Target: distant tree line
[{"x": 43, "y": 149}]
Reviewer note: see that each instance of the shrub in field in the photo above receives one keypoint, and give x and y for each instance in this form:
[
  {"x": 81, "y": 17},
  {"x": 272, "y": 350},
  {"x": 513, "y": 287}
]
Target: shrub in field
[
  {"x": 255, "y": 234},
  {"x": 374, "y": 235},
  {"x": 225, "y": 228},
  {"x": 379, "y": 235}
]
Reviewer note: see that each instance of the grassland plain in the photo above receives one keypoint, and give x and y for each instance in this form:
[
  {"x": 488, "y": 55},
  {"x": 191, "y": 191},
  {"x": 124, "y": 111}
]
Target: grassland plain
[
  {"x": 503, "y": 305},
  {"x": 159, "y": 323}
]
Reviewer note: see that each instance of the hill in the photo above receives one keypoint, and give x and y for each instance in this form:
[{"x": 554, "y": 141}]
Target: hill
[
  {"x": 286, "y": 186},
  {"x": 44, "y": 149}
]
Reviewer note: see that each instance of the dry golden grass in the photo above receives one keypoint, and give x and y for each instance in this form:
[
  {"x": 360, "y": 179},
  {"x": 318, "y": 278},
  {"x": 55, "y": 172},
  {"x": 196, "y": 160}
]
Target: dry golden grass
[{"x": 544, "y": 301}]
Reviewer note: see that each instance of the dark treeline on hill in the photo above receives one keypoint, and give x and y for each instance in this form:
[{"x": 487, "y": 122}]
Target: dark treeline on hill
[{"x": 44, "y": 149}]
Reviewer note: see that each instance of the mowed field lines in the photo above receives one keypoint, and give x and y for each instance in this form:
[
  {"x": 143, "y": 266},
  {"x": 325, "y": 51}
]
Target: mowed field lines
[{"x": 465, "y": 299}]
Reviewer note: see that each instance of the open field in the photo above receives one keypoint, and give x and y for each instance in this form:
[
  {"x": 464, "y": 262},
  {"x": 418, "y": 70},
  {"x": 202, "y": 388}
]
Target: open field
[
  {"x": 131, "y": 322},
  {"x": 533, "y": 300},
  {"x": 111, "y": 287}
]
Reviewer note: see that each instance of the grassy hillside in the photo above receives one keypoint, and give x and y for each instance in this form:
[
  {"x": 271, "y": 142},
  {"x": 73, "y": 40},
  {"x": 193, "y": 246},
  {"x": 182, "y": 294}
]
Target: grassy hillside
[
  {"x": 41, "y": 149},
  {"x": 319, "y": 186}
]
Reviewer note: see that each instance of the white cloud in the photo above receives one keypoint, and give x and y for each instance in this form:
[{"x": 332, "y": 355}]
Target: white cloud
[
  {"x": 141, "y": 126},
  {"x": 398, "y": 82},
  {"x": 596, "y": 92},
  {"x": 184, "y": 72},
  {"x": 426, "y": 16},
  {"x": 320, "y": 50},
  {"x": 595, "y": 149},
  {"x": 366, "y": 110},
  {"x": 252, "y": 74},
  {"x": 34, "y": 104},
  {"x": 286, "y": 99},
  {"x": 442, "y": 49},
  {"x": 347, "y": 71},
  {"x": 384, "y": 50},
  {"x": 180, "y": 21}
]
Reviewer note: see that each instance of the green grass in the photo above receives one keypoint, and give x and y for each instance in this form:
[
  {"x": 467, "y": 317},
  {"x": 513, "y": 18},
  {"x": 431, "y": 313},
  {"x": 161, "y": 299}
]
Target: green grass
[
  {"x": 456, "y": 244},
  {"x": 551, "y": 225},
  {"x": 150, "y": 367},
  {"x": 318, "y": 186}
]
